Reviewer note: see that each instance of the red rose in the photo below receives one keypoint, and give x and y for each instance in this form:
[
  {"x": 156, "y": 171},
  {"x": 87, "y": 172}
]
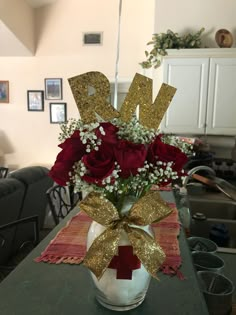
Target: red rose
[
  {"x": 159, "y": 151},
  {"x": 59, "y": 172},
  {"x": 110, "y": 133},
  {"x": 130, "y": 156},
  {"x": 100, "y": 164},
  {"x": 72, "y": 151}
]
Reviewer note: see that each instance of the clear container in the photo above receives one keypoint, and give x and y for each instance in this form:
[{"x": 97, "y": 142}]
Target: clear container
[
  {"x": 120, "y": 294},
  {"x": 207, "y": 262},
  {"x": 218, "y": 291},
  {"x": 201, "y": 244}
]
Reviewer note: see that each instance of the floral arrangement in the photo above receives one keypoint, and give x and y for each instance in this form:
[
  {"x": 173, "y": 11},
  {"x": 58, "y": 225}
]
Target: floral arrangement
[{"x": 117, "y": 158}]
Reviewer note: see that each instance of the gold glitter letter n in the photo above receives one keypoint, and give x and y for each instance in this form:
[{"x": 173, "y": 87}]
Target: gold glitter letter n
[{"x": 140, "y": 93}]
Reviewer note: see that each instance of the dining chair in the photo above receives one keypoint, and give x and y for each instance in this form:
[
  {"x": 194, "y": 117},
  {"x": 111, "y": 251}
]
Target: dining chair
[
  {"x": 3, "y": 171},
  {"x": 61, "y": 200}
]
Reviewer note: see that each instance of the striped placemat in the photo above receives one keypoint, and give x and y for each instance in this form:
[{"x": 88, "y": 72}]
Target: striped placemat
[{"x": 69, "y": 245}]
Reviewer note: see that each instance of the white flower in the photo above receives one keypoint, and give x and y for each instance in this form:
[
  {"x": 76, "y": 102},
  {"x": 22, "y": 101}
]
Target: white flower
[{"x": 102, "y": 130}]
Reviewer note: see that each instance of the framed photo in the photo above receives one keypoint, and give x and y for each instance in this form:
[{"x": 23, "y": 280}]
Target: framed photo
[
  {"x": 35, "y": 100},
  {"x": 4, "y": 91},
  {"x": 57, "y": 113},
  {"x": 53, "y": 89}
]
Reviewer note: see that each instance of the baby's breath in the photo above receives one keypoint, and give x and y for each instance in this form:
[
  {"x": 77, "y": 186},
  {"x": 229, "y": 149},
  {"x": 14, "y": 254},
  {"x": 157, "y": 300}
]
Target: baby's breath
[
  {"x": 86, "y": 132},
  {"x": 176, "y": 141},
  {"x": 68, "y": 128},
  {"x": 133, "y": 131}
]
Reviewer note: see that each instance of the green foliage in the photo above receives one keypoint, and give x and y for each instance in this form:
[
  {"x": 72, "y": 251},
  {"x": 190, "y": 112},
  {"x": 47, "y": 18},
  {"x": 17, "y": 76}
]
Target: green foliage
[{"x": 169, "y": 40}]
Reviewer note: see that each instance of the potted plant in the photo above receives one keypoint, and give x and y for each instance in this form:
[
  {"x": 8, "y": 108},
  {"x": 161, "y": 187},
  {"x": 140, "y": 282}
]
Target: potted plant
[{"x": 169, "y": 40}]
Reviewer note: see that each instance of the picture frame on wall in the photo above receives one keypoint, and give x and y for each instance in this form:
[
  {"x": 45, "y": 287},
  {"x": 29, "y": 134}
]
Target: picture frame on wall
[
  {"x": 4, "y": 91},
  {"x": 58, "y": 113},
  {"x": 53, "y": 88},
  {"x": 35, "y": 100}
]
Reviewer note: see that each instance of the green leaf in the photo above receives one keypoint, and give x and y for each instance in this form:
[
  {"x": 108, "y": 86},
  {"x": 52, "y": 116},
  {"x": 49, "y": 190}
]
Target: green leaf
[{"x": 163, "y": 41}]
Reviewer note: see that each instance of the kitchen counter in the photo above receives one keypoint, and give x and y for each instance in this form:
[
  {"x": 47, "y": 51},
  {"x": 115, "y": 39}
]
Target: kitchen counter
[
  {"x": 49, "y": 289},
  {"x": 229, "y": 258},
  {"x": 229, "y": 269}
]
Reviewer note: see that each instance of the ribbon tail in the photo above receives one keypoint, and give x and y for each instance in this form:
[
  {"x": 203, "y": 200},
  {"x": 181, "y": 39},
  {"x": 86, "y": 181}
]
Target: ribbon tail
[
  {"x": 147, "y": 250},
  {"x": 101, "y": 252}
]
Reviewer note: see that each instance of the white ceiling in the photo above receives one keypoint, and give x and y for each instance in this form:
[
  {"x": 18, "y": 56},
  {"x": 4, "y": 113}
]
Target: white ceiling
[
  {"x": 10, "y": 44},
  {"x": 39, "y": 3}
]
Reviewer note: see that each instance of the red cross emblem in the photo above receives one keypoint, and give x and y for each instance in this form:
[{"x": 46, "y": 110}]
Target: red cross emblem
[{"x": 125, "y": 262}]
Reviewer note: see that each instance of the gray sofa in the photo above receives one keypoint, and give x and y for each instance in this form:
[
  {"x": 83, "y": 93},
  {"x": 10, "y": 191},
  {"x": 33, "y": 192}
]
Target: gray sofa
[
  {"x": 22, "y": 195},
  {"x": 11, "y": 197}
]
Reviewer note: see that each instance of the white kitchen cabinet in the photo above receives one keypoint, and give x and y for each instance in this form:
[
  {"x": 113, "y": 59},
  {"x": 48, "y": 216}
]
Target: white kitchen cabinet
[
  {"x": 205, "y": 101},
  {"x": 221, "y": 108},
  {"x": 187, "y": 111}
]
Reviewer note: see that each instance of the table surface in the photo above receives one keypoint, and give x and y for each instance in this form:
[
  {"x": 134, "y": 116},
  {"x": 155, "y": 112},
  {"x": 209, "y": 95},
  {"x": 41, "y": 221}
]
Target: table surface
[{"x": 49, "y": 289}]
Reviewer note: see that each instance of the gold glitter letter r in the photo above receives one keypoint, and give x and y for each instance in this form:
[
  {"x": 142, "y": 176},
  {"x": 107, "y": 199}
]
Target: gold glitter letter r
[{"x": 89, "y": 105}]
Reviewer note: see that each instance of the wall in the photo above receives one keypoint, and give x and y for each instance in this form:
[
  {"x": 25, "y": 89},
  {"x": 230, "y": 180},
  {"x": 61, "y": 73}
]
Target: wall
[
  {"x": 27, "y": 137},
  {"x": 189, "y": 16}
]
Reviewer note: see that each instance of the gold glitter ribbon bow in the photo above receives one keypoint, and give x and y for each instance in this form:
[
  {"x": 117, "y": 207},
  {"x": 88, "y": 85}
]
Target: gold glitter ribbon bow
[{"x": 148, "y": 209}]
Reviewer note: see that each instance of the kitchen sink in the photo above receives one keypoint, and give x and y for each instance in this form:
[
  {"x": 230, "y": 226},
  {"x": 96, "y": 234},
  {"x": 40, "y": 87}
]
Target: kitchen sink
[
  {"x": 218, "y": 209},
  {"x": 213, "y": 216},
  {"x": 222, "y": 232}
]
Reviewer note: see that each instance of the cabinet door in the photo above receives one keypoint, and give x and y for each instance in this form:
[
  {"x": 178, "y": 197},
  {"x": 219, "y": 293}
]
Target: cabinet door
[
  {"x": 221, "y": 112},
  {"x": 187, "y": 111}
]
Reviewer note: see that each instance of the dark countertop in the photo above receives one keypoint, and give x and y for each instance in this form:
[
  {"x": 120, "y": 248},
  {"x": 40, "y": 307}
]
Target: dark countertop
[
  {"x": 229, "y": 269},
  {"x": 49, "y": 289},
  {"x": 229, "y": 258}
]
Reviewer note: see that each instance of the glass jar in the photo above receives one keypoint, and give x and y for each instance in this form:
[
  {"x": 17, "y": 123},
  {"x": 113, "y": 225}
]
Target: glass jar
[{"x": 120, "y": 294}]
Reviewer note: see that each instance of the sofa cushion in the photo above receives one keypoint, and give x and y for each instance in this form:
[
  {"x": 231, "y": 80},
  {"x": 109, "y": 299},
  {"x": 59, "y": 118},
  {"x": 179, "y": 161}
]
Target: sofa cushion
[
  {"x": 36, "y": 182},
  {"x": 11, "y": 198}
]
